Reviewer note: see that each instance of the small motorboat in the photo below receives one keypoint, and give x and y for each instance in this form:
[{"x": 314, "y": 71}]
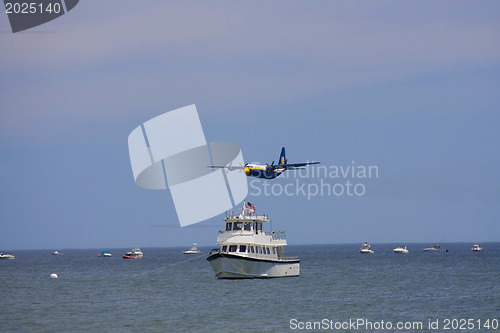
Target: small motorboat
[
  {"x": 56, "y": 253},
  {"x": 134, "y": 253},
  {"x": 366, "y": 248},
  {"x": 436, "y": 248},
  {"x": 476, "y": 248},
  {"x": 105, "y": 254},
  {"x": 5, "y": 255},
  {"x": 401, "y": 249},
  {"x": 193, "y": 250}
]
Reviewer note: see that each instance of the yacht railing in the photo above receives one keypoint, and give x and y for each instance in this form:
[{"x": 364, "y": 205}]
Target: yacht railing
[{"x": 277, "y": 235}]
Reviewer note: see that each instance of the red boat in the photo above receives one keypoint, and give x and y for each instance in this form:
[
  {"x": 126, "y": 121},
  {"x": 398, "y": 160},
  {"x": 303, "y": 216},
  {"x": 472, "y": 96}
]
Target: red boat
[{"x": 134, "y": 253}]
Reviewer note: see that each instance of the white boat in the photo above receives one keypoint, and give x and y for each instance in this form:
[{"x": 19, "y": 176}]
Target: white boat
[
  {"x": 247, "y": 251},
  {"x": 5, "y": 255},
  {"x": 193, "y": 250},
  {"x": 476, "y": 248},
  {"x": 435, "y": 248},
  {"x": 134, "y": 253},
  {"x": 366, "y": 248},
  {"x": 56, "y": 253},
  {"x": 401, "y": 249},
  {"x": 105, "y": 254}
]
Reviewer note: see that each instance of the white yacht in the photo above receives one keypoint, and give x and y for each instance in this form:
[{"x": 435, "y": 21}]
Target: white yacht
[
  {"x": 247, "y": 251},
  {"x": 435, "y": 248},
  {"x": 56, "y": 253},
  {"x": 4, "y": 255},
  {"x": 366, "y": 248},
  {"x": 476, "y": 248},
  {"x": 193, "y": 250},
  {"x": 401, "y": 249}
]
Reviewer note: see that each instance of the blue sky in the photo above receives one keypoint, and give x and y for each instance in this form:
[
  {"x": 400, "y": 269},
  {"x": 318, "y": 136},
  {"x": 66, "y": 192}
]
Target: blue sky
[{"x": 410, "y": 87}]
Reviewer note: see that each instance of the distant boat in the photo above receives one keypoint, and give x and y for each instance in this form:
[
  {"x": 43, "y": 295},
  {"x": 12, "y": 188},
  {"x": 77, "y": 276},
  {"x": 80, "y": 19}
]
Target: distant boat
[
  {"x": 4, "y": 255},
  {"x": 437, "y": 248},
  {"x": 134, "y": 253},
  {"x": 105, "y": 254},
  {"x": 366, "y": 248},
  {"x": 56, "y": 253},
  {"x": 193, "y": 250},
  {"x": 476, "y": 248},
  {"x": 401, "y": 249}
]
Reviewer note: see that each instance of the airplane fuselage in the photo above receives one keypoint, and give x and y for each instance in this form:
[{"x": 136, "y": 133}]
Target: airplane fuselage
[{"x": 262, "y": 171}]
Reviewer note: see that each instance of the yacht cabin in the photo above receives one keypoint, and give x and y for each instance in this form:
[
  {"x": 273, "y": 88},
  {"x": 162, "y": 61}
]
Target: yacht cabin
[{"x": 245, "y": 236}]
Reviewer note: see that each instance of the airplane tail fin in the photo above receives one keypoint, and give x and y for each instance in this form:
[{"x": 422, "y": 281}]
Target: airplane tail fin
[{"x": 282, "y": 160}]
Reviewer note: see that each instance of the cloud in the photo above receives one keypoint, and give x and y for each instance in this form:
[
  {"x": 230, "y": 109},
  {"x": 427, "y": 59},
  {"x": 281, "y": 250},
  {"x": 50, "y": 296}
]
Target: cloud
[
  {"x": 118, "y": 58},
  {"x": 329, "y": 33}
]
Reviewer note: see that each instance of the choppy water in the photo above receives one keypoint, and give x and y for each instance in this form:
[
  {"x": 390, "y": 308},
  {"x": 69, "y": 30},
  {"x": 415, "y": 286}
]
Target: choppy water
[{"x": 337, "y": 284}]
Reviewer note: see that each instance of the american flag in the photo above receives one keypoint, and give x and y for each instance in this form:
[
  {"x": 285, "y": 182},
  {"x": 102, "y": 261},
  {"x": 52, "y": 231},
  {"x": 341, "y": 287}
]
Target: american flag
[{"x": 249, "y": 208}]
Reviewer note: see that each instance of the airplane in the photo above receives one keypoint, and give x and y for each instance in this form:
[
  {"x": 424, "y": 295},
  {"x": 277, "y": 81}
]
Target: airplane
[{"x": 265, "y": 171}]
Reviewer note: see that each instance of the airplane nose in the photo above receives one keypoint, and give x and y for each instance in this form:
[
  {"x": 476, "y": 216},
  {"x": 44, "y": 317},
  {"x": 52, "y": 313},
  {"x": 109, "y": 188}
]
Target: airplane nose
[{"x": 247, "y": 171}]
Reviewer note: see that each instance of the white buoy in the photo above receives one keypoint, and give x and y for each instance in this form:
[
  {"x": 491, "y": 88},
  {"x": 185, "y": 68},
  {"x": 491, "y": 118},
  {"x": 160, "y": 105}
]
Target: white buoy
[{"x": 54, "y": 276}]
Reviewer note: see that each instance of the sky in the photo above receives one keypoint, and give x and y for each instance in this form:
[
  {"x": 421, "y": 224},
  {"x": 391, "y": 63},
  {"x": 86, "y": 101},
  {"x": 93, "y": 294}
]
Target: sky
[{"x": 411, "y": 89}]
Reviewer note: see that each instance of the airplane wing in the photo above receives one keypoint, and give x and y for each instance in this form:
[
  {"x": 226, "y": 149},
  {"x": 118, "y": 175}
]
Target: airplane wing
[
  {"x": 294, "y": 166},
  {"x": 229, "y": 167}
]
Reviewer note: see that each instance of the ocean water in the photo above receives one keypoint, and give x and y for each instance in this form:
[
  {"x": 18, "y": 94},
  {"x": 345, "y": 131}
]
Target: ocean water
[{"x": 458, "y": 291}]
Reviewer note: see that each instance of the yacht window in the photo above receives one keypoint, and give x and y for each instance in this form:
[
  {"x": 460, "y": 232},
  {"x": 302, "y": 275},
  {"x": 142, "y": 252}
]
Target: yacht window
[
  {"x": 237, "y": 225},
  {"x": 224, "y": 248},
  {"x": 268, "y": 251},
  {"x": 252, "y": 249},
  {"x": 247, "y": 226},
  {"x": 243, "y": 248},
  {"x": 259, "y": 226},
  {"x": 274, "y": 250},
  {"x": 260, "y": 250},
  {"x": 228, "y": 226},
  {"x": 232, "y": 248}
]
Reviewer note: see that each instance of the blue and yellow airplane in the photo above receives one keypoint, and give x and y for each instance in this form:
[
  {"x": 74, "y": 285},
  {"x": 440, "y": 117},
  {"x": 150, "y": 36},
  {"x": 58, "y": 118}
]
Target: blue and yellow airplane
[{"x": 266, "y": 171}]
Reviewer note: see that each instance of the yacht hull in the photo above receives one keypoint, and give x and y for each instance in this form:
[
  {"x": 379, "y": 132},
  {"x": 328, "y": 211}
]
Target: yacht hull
[{"x": 228, "y": 266}]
